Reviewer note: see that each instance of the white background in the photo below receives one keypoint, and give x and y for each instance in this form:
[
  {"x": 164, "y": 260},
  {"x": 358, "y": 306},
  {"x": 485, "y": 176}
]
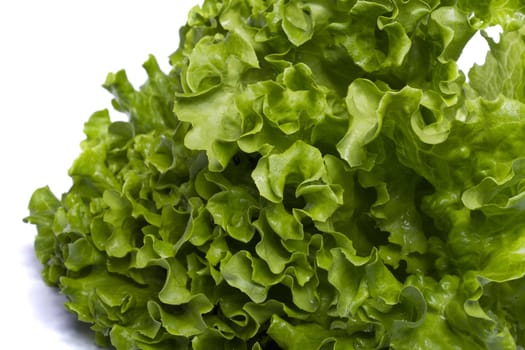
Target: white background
[{"x": 54, "y": 56}]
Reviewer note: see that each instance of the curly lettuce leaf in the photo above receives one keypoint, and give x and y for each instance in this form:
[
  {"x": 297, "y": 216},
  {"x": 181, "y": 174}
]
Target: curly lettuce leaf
[{"x": 309, "y": 175}]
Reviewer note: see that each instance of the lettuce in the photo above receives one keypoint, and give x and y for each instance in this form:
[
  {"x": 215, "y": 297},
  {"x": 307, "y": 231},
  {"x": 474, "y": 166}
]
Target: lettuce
[{"x": 309, "y": 175}]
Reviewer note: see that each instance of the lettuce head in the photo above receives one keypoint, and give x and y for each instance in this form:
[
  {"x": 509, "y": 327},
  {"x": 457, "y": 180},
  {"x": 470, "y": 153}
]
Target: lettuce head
[{"x": 309, "y": 175}]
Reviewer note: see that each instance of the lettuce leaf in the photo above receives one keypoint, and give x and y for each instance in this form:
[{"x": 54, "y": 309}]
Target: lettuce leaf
[{"x": 309, "y": 175}]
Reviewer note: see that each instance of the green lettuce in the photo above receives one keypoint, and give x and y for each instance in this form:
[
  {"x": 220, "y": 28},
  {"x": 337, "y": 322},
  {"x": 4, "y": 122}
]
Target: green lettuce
[{"x": 310, "y": 175}]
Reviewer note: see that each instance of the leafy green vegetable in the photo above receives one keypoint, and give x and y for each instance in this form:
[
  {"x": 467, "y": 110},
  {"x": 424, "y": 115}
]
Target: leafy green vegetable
[{"x": 309, "y": 175}]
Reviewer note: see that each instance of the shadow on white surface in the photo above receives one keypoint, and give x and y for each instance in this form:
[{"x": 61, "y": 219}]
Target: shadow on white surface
[{"x": 47, "y": 306}]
